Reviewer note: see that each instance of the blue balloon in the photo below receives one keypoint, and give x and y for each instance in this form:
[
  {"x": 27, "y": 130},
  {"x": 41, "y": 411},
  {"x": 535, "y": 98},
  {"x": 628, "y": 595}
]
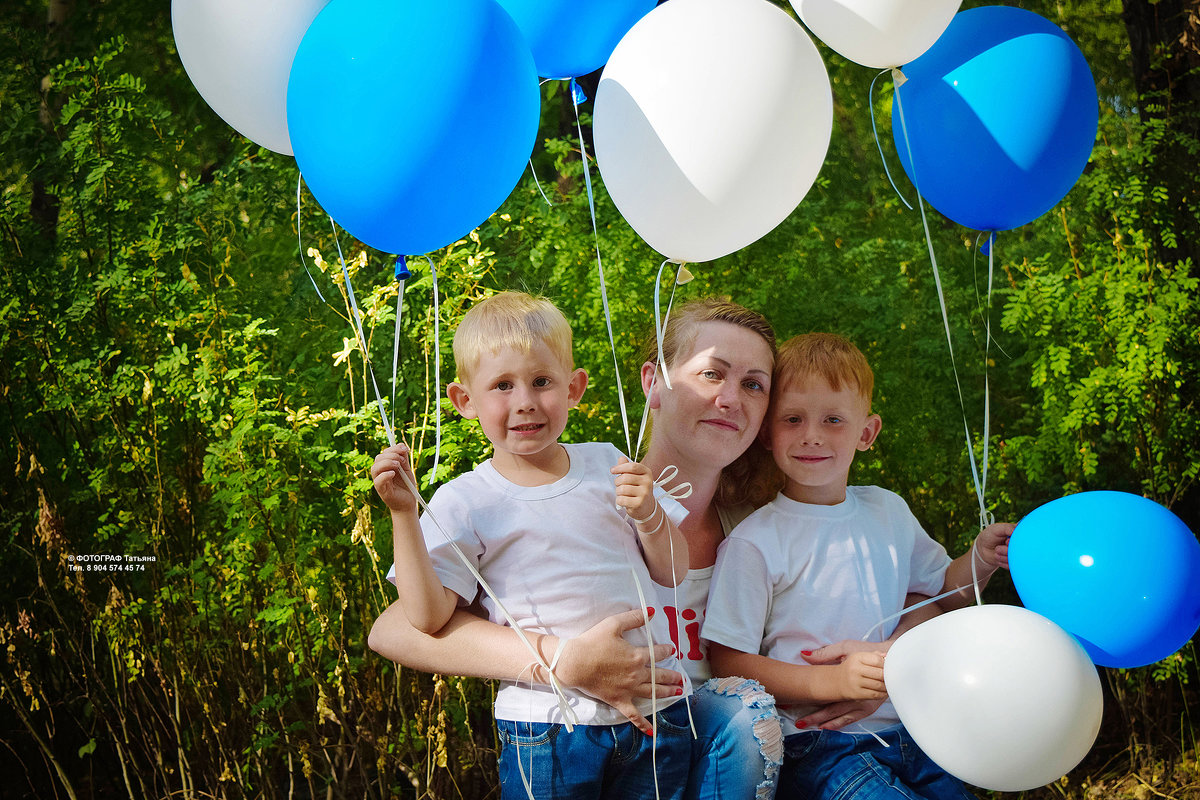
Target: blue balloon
[
  {"x": 570, "y": 38},
  {"x": 1001, "y": 115},
  {"x": 1117, "y": 571},
  {"x": 412, "y": 121}
]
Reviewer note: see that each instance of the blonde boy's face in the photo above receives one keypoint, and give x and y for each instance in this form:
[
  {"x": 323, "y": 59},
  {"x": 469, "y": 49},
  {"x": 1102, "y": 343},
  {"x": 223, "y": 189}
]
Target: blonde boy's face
[
  {"x": 813, "y": 433},
  {"x": 521, "y": 400}
]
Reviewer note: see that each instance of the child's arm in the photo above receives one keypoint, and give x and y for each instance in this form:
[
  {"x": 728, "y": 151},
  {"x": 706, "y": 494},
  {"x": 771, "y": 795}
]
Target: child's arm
[
  {"x": 664, "y": 548},
  {"x": 859, "y": 676},
  {"x": 835, "y": 652},
  {"x": 990, "y": 552},
  {"x": 835, "y": 716},
  {"x": 427, "y": 603}
]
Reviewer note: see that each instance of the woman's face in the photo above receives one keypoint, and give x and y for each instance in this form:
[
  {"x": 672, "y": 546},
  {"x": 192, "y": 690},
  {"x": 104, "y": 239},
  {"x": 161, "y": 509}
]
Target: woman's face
[{"x": 718, "y": 395}]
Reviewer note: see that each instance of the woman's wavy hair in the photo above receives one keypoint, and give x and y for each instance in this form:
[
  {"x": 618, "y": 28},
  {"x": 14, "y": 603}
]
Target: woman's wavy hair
[{"x": 752, "y": 478}]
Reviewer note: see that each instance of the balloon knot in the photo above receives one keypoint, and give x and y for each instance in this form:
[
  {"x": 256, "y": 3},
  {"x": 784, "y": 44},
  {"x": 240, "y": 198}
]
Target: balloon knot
[
  {"x": 986, "y": 247},
  {"x": 402, "y": 271},
  {"x": 577, "y": 93}
]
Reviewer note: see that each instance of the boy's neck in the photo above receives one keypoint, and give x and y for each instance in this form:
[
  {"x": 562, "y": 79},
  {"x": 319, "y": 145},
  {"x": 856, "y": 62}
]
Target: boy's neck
[
  {"x": 828, "y": 495},
  {"x": 537, "y": 469}
]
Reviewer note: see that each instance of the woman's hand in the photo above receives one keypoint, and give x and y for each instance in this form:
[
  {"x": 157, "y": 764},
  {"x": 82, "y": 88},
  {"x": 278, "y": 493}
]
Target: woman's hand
[
  {"x": 838, "y": 715},
  {"x": 836, "y": 653},
  {"x": 603, "y": 664}
]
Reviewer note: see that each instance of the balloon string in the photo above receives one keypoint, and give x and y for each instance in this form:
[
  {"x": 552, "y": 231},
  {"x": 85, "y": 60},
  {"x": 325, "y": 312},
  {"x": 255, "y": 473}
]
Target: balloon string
[
  {"x": 682, "y": 276},
  {"x": 437, "y": 370},
  {"x": 356, "y": 315},
  {"x": 538, "y": 184},
  {"x": 979, "y": 487},
  {"x": 653, "y": 668},
  {"x": 402, "y": 276},
  {"x": 569, "y": 718},
  {"x": 587, "y": 182},
  {"x": 975, "y": 583},
  {"x": 875, "y": 133},
  {"x": 300, "y": 242}
]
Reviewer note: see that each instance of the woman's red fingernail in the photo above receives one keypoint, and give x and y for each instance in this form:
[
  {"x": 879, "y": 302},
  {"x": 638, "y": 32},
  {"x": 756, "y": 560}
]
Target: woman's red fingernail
[
  {"x": 679, "y": 691},
  {"x": 806, "y": 652},
  {"x": 801, "y": 723}
]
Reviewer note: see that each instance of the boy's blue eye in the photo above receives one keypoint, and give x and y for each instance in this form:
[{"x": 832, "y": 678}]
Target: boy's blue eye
[
  {"x": 503, "y": 386},
  {"x": 835, "y": 420},
  {"x": 541, "y": 382}
]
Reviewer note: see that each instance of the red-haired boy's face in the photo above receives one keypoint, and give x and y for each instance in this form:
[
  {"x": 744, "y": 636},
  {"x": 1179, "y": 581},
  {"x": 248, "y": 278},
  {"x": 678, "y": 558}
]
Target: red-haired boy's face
[{"x": 813, "y": 433}]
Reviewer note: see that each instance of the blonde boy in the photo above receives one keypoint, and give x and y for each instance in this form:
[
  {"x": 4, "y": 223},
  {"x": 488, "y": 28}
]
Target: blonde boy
[
  {"x": 827, "y": 562},
  {"x": 561, "y": 532}
]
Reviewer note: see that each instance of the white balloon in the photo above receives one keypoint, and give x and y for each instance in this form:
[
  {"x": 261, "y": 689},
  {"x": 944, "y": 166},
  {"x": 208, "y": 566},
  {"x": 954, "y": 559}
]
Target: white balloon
[
  {"x": 996, "y": 695},
  {"x": 238, "y": 54},
  {"x": 711, "y": 122},
  {"x": 877, "y": 33}
]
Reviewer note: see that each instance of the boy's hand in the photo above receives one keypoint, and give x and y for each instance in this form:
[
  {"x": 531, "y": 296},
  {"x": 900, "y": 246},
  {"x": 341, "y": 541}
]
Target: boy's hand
[
  {"x": 861, "y": 677},
  {"x": 992, "y": 544},
  {"x": 392, "y": 489},
  {"x": 635, "y": 489}
]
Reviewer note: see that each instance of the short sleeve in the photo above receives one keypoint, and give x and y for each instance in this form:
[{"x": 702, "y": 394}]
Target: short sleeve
[
  {"x": 446, "y": 525},
  {"x": 739, "y": 601},
  {"x": 927, "y": 566}
]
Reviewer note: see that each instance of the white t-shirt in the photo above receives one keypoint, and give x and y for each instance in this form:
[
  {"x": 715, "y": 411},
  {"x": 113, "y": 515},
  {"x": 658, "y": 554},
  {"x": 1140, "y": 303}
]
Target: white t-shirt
[
  {"x": 795, "y": 577},
  {"x": 560, "y": 558},
  {"x": 684, "y": 607}
]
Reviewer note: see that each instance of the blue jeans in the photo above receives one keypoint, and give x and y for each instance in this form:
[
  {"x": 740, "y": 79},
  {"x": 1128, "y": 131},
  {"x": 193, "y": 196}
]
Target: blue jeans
[
  {"x": 738, "y": 746},
  {"x": 596, "y": 761},
  {"x": 832, "y": 765}
]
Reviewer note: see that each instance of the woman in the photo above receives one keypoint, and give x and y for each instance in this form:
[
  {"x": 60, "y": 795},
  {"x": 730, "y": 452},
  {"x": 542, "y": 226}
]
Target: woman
[{"x": 719, "y": 357}]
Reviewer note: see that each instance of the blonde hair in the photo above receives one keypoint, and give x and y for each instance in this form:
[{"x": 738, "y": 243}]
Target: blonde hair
[
  {"x": 824, "y": 355},
  {"x": 510, "y": 319},
  {"x": 752, "y": 477}
]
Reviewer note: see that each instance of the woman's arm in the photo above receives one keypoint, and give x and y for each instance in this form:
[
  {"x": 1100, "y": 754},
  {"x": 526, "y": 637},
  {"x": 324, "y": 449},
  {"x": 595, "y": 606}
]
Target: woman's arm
[{"x": 599, "y": 661}]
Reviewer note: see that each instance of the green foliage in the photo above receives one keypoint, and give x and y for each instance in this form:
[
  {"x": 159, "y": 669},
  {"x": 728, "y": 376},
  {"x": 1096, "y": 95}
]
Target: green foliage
[
  {"x": 175, "y": 390},
  {"x": 1114, "y": 336}
]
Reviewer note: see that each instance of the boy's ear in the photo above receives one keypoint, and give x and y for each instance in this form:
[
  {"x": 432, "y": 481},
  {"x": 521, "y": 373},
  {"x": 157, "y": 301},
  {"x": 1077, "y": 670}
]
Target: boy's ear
[
  {"x": 576, "y": 387},
  {"x": 871, "y": 429},
  {"x": 460, "y": 396},
  {"x": 648, "y": 371}
]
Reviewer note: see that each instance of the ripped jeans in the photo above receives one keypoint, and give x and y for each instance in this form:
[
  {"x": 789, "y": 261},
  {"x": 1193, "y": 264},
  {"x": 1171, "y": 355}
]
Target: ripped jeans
[{"x": 739, "y": 744}]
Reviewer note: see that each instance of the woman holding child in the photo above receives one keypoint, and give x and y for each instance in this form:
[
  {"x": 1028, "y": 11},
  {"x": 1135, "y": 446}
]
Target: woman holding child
[{"x": 720, "y": 359}]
